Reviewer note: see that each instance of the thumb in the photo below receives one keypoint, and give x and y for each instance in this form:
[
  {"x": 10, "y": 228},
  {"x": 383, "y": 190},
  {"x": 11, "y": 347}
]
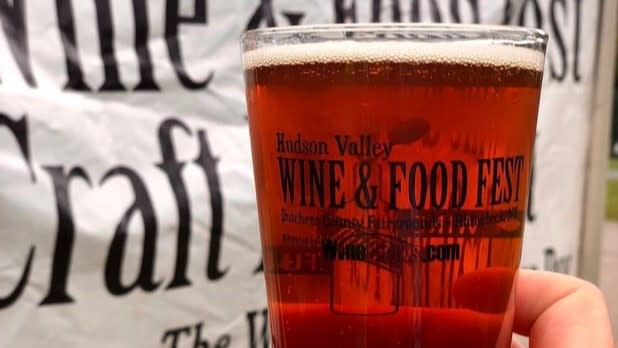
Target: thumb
[{"x": 556, "y": 310}]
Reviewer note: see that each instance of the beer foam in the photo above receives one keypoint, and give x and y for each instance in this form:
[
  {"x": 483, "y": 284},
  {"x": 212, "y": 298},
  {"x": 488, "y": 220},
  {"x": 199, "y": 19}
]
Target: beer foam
[{"x": 465, "y": 52}]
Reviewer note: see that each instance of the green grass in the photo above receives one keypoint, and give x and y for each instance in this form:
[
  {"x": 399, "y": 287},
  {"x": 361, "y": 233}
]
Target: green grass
[{"x": 611, "y": 206}]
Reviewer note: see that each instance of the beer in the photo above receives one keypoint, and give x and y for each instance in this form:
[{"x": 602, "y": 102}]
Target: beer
[{"x": 392, "y": 180}]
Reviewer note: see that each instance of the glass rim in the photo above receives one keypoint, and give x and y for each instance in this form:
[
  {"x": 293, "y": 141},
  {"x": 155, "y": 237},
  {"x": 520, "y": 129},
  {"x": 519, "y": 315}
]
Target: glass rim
[{"x": 494, "y": 31}]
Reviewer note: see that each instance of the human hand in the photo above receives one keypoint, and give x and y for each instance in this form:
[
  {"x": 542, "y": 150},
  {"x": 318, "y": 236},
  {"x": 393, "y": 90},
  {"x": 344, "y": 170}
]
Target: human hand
[{"x": 559, "y": 311}]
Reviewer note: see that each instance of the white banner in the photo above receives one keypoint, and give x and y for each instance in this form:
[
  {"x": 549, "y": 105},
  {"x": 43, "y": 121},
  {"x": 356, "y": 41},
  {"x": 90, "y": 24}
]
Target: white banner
[{"x": 127, "y": 207}]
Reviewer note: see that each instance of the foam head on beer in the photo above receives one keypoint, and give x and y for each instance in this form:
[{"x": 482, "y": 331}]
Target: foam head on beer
[{"x": 466, "y": 53}]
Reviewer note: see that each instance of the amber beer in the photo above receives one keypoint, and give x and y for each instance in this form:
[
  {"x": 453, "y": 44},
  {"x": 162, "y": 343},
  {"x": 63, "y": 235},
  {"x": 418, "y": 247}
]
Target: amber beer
[{"x": 392, "y": 178}]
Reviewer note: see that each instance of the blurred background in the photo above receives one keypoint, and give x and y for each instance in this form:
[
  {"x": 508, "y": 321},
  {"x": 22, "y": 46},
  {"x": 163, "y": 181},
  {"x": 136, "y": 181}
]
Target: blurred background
[{"x": 609, "y": 262}]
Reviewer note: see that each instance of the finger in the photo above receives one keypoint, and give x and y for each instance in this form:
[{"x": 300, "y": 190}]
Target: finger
[
  {"x": 555, "y": 310},
  {"x": 497, "y": 281}
]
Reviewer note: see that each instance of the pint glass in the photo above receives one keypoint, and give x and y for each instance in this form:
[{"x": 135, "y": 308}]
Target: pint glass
[{"x": 392, "y": 167}]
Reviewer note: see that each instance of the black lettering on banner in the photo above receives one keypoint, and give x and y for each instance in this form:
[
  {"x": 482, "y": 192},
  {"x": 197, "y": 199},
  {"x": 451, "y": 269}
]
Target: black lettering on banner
[
  {"x": 508, "y": 12},
  {"x": 343, "y": 13},
  {"x": 174, "y": 334},
  {"x": 19, "y": 129},
  {"x": 141, "y": 205},
  {"x": 376, "y": 11},
  {"x": 260, "y": 267},
  {"x": 294, "y": 18},
  {"x": 66, "y": 22},
  {"x": 538, "y": 16},
  {"x": 565, "y": 60},
  {"x": 105, "y": 26},
  {"x": 436, "y": 17},
  {"x": 263, "y": 13},
  {"x": 254, "y": 337},
  {"x": 173, "y": 170},
  {"x": 173, "y": 20},
  {"x": 198, "y": 341},
  {"x": 21, "y": 284},
  {"x": 557, "y": 36},
  {"x": 474, "y": 6},
  {"x": 142, "y": 28},
  {"x": 576, "y": 46},
  {"x": 222, "y": 342},
  {"x": 63, "y": 250},
  {"x": 13, "y": 18},
  {"x": 208, "y": 163}
]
